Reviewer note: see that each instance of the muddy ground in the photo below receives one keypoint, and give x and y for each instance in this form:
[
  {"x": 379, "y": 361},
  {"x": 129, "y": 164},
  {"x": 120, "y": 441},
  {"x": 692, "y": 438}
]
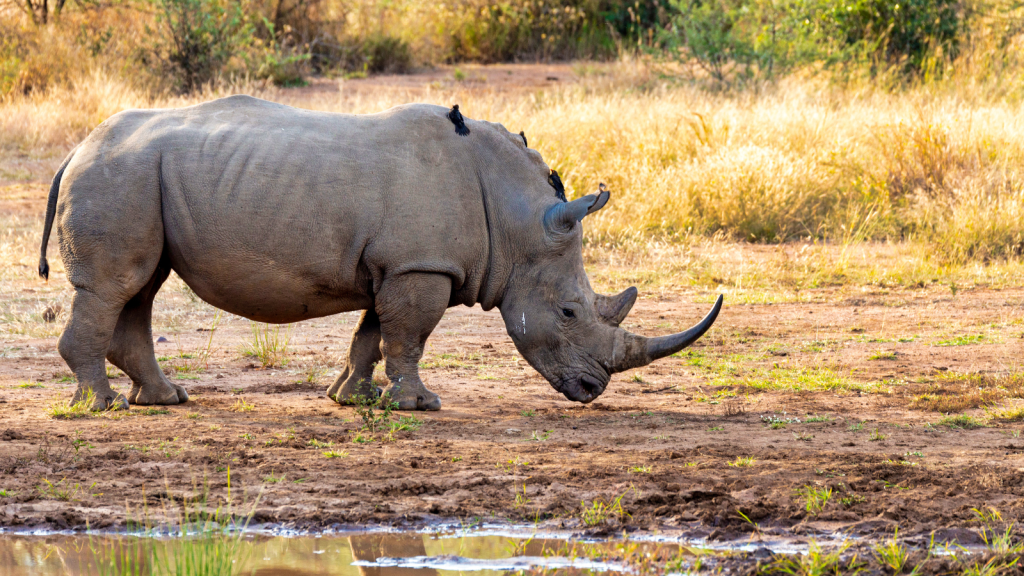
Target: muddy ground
[{"x": 859, "y": 380}]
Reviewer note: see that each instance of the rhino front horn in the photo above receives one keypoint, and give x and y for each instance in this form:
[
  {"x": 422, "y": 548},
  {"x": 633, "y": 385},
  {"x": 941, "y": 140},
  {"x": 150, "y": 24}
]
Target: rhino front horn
[{"x": 633, "y": 351}]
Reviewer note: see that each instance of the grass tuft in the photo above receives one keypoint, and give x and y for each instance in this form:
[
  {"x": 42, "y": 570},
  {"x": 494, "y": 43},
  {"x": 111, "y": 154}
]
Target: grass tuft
[
  {"x": 68, "y": 410},
  {"x": 267, "y": 344},
  {"x": 743, "y": 462},
  {"x": 961, "y": 422},
  {"x": 815, "y": 498}
]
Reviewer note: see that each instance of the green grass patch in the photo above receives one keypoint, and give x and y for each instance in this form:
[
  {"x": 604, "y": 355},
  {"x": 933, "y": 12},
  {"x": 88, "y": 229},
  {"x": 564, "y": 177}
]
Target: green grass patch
[
  {"x": 1009, "y": 414},
  {"x": 815, "y": 498},
  {"x": 882, "y": 355},
  {"x": 796, "y": 380},
  {"x": 68, "y": 410},
  {"x": 964, "y": 340},
  {"x": 961, "y": 422}
]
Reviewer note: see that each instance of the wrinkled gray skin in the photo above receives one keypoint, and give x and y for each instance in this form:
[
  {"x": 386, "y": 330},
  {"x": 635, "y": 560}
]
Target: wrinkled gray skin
[{"x": 281, "y": 215}]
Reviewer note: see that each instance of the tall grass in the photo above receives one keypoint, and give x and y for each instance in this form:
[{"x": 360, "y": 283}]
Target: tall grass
[{"x": 803, "y": 160}]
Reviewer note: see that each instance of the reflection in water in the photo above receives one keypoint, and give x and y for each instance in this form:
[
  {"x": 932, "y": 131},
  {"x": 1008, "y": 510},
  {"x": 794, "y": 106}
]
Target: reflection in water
[{"x": 261, "y": 555}]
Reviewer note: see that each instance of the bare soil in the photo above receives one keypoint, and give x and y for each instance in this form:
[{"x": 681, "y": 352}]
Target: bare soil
[{"x": 880, "y": 367}]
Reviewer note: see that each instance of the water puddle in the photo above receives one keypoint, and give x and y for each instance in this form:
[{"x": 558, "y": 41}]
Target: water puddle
[{"x": 479, "y": 552}]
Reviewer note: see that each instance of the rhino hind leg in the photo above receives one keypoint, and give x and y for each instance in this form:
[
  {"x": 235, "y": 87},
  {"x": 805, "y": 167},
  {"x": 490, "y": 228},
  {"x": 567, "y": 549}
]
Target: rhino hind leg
[
  {"x": 83, "y": 345},
  {"x": 409, "y": 307},
  {"x": 356, "y": 380},
  {"x": 131, "y": 348}
]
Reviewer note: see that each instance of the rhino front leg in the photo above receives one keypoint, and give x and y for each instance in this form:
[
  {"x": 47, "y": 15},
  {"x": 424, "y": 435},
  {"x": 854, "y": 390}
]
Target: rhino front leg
[
  {"x": 364, "y": 353},
  {"x": 409, "y": 307}
]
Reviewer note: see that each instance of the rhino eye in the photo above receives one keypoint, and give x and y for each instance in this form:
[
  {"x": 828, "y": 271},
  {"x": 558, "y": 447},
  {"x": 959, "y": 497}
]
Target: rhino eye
[{"x": 568, "y": 313}]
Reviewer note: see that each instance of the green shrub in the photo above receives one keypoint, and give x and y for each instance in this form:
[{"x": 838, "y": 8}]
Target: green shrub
[
  {"x": 387, "y": 55},
  {"x": 743, "y": 39},
  {"x": 201, "y": 36},
  {"x": 905, "y": 34}
]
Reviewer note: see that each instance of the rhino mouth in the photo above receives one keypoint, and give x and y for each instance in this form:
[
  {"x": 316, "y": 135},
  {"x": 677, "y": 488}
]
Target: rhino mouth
[{"x": 583, "y": 389}]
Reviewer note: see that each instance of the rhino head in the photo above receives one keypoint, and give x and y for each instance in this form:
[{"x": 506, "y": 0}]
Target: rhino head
[{"x": 565, "y": 330}]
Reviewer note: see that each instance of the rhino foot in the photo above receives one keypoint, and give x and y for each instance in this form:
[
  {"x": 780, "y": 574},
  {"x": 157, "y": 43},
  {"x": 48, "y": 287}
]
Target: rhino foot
[
  {"x": 105, "y": 400},
  {"x": 413, "y": 397},
  {"x": 165, "y": 394},
  {"x": 353, "y": 391}
]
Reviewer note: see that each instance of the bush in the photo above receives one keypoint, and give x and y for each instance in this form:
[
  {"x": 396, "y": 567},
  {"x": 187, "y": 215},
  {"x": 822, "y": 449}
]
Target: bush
[
  {"x": 906, "y": 34},
  {"x": 387, "y": 55},
  {"x": 202, "y": 35},
  {"x": 534, "y": 29},
  {"x": 743, "y": 39}
]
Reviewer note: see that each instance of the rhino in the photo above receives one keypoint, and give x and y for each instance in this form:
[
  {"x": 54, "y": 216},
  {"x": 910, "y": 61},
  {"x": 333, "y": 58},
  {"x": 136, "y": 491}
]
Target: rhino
[{"x": 280, "y": 215}]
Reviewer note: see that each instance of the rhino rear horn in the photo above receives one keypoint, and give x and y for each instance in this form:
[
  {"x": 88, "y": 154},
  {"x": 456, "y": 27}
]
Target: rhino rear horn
[
  {"x": 614, "y": 309},
  {"x": 561, "y": 218}
]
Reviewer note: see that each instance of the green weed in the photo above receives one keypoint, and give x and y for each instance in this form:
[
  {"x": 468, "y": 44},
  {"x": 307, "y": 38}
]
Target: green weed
[
  {"x": 601, "y": 511},
  {"x": 542, "y": 437},
  {"x": 335, "y": 454},
  {"x": 852, "y": 500},
  {"x": 961, "y": 422},
  {"x": 994, "y": 567},
  {"x": 68, "y": 410},
  {"x": 641, "y": 469},
  {"x": 877, "y": 436},
  {"x": 987, "y": 515},
  {"x": 965, "y": 340},
  {"x": 1002, "y": 542},
  {"x": 63, "y": 490},
  {"x": 815, "y": 562},
  {"x": 815, "y": 499},
  {"x": 892, "y": 554},
  {"x": 743, "y": 462},
  {"x": 375, "y": 412},
  {"x": 267, "y": 344},
  {"x": 1009, "y": 414}
]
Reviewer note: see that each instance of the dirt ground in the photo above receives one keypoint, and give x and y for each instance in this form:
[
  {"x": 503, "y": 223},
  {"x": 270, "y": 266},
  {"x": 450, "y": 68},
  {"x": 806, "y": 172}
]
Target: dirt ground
[{"x": 862, "y": 384}]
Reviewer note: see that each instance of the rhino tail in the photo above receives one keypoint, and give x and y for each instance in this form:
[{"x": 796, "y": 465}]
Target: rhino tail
[{"x": 51, "y": 211}]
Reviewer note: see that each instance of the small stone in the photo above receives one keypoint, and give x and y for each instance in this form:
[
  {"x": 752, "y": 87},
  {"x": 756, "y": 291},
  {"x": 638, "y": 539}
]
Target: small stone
[
  {"x": 161, "y": 339},
  {"x": 511, "y": 431}
]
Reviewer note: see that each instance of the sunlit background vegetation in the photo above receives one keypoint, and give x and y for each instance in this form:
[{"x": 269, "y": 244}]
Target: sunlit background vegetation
[{"x": 753, "y": 120}]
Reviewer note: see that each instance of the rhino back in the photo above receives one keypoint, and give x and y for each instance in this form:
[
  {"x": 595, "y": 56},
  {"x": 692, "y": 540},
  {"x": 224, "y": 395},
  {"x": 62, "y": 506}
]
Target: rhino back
[{"x": 280, "y": 214}]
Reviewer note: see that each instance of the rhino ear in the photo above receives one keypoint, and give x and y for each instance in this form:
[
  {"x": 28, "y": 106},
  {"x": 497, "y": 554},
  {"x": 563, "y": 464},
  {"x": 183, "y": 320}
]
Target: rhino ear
[
  {"x": 613, "y": 309},
  {"x": 562, "y": 217}
]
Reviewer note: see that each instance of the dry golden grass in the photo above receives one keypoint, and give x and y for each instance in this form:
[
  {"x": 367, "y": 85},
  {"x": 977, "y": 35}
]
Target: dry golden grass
[
  {"x": 961, "y": 392},
  {"x": 798, "y": 161},
  {"x": 931, "y": 172}
]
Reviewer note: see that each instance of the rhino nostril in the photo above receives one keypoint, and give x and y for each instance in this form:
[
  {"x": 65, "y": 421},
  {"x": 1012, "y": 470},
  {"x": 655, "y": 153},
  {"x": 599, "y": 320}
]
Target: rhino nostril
[{"x": 591, "y": 385}]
